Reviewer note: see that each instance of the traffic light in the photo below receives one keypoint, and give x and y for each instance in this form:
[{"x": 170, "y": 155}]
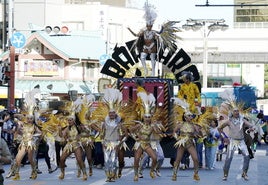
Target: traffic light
[{"x": 3, "y": 71}]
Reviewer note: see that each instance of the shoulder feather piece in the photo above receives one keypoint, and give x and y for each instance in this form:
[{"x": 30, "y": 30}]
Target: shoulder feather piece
[{"x": 168, "y": 35}]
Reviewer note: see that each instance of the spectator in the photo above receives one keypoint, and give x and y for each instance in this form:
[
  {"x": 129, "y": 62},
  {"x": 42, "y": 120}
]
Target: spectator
[{"x": 5, "y": 157}]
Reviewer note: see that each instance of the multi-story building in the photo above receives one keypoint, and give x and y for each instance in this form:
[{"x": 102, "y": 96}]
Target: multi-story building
[
  {"x": 255, "y": 16},
  {"x": 232, "y": 55}
]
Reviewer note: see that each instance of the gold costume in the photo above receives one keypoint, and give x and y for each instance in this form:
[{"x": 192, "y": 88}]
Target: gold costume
[
  {"x": 186, "y": 137},
  {"x": 143, "y": 137},
  {"x": 30, "y": 134},
  {"x": 72, "y": 143},
  {"x": 28, "y": 137}
]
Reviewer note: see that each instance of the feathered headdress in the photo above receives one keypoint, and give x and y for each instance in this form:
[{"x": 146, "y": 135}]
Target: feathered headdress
[
  {"x": 179, "y": 107},
  {"x": 84, "y": 112},
  {"x": 150, "y": 13},
  {"x": 30, "y": 101},
  {"x": 148, "y": 102},
  {"x": 112, "y": 97}
]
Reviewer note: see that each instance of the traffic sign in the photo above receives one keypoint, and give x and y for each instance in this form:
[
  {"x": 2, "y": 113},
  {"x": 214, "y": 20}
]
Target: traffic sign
[
  {"x": 18, "y": 40},
  {"x": 103, "y": 58}
]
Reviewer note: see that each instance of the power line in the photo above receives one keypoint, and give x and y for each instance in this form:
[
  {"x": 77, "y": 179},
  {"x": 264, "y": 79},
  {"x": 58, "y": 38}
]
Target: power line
[{"x": 232, "y": 5}]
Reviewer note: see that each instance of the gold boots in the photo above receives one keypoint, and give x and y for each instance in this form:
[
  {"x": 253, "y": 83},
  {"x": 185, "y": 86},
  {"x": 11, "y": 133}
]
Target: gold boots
[
  {"x": 90, "y": 173},
  {"x": 84, "y": 178},
  {"x": 78, "y": 173},
  {"x": 136, "y": 174},
  {"x": 34, "y": 171},
  {"x": 119, "y": 173},
  {"x": 175, "y": 169},
  {"x": 15, "y": 169},
  {"x": 33, "y": 175},
  {"x": 62, "y": 174},
  {"x": 196, "y": 176},
  {"x": 16, "y": 177},
  {"x": 152, "y": 174}
]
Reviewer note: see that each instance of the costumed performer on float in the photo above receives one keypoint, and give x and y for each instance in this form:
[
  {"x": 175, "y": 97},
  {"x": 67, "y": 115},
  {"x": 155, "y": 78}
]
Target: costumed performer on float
[{"x": 150, "y": 41}]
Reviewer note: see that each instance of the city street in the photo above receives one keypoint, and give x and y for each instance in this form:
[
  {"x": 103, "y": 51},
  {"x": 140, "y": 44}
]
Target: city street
[{"x": 257, "y": 173}]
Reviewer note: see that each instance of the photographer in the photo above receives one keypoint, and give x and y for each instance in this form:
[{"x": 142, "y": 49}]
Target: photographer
[{"x": 5, "y": 157}]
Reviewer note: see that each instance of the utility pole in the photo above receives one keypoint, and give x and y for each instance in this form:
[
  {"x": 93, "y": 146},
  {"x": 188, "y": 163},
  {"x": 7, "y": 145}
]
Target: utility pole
[
  {"x": 11, "y": 82},
  {"x": 4, "y": 28}
]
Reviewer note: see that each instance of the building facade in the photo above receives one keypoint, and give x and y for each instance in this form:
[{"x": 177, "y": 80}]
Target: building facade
[{"x": 235, "y": 55}]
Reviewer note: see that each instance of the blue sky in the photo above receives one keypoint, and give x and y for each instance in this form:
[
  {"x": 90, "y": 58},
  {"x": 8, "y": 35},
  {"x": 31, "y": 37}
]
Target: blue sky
[{"x": 181, "y": 10}]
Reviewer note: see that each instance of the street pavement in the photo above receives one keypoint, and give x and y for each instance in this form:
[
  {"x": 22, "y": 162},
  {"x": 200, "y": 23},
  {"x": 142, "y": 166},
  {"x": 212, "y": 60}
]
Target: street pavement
[{"x": 257, "y": 173}]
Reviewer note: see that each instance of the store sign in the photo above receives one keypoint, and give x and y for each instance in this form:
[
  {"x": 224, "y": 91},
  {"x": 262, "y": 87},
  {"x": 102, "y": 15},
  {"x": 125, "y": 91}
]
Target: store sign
[
  {"x": 123, "y": 59},
  {"x": 40, "y": 68}
]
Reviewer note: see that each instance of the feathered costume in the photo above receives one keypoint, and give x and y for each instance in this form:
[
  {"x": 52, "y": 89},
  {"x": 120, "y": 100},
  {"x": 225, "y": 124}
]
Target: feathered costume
[
  {"x": 112, "y": 134},
  {"x": 144, "y": 130},
  {"x": 149, "y": 42},
  {"x": 232, "y": 111},
  {"x": 188, "y": 131},
  {"x": 30, "y": 135}
]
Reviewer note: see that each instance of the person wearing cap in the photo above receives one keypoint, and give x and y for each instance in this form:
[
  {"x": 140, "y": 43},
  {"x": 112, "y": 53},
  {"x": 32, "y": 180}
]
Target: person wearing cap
[
  {"x": 235, "y": 123},
  {"x": 189, "y": 92},
  {"x": 71, "y": 134},
  {"x": 30, "y": 135},
  {"x": 188, "y": 131}
]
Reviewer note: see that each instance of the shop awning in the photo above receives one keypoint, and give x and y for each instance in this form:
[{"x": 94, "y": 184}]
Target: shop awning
[{"x": 56, "y": 86}]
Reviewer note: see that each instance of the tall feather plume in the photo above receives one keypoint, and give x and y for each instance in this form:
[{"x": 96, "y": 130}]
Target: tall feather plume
[
  {"x": 86, "y": 104},
  {"x": 228, "y": 94},
  {"x": 150, "y": 13},
  {"x": 128, "y": 114},
  {"x": 205, "y": 118},
  {"x": 148, "y": 101},
  {"x": 30, "y": 101},
  {"x": 179, "y": 107},
  {"x": 99, "y": 114},
  {"x": 112, "y": 97}
]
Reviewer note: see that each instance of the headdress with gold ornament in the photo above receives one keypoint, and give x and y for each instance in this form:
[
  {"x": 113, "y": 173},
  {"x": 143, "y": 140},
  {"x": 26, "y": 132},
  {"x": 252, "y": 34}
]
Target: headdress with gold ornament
[
  {"x": 112, "y": 97},
  {"x": 210, "y": 114},
  {"x": 111, "y": 101},
  {"x": 30, "y": 100},
  {"x": 148, "y": 102},
  {"x": 230, "y": 103},
  {"x": 82, "y": 107},
  {"x": 180, "y": 106}
]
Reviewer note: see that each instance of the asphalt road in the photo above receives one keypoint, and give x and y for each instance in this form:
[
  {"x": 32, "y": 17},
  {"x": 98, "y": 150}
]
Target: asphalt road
[{"x": 257, "y": 173}]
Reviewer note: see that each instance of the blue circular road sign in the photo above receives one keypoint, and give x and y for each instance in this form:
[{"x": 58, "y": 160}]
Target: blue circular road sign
[
  {"x": 103, "y": 59},
  {"x": 18, "y": 40}
]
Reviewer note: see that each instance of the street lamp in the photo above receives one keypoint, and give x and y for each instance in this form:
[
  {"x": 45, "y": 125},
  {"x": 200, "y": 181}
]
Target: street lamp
[{"x": 207, "y": 25}]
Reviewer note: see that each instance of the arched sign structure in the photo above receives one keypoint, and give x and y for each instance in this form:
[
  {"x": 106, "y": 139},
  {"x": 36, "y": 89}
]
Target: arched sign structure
[{"x": 123, "y": 59}]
